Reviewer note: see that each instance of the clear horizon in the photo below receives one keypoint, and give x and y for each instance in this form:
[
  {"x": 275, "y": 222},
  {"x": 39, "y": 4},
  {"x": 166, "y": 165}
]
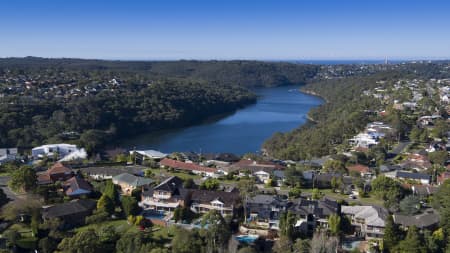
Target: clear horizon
[{"x": 226, "y": 30}]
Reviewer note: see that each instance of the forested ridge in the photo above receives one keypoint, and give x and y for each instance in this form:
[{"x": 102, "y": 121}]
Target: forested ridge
[
  {"x": 344, "y": 114},
  {"x": 93, "y": 102}
]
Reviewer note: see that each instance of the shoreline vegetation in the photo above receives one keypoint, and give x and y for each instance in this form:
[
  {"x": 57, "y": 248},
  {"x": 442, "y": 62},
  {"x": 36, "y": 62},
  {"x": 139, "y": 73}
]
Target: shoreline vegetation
[{"x": 93, "y": 102}]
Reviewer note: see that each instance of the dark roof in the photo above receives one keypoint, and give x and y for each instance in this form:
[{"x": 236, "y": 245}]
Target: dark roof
[
  {"x": 417, "y": 176},
  {"x": 205, "y": 196},
  {"x": 69, "y": 208},
  {"x": 75, "y": 183},
  {"x": 170, "y": 184},
  {"x": 427, "y": 219},
  {"x": 319, "y": 208},
  {"x": 266, "y": 200}
]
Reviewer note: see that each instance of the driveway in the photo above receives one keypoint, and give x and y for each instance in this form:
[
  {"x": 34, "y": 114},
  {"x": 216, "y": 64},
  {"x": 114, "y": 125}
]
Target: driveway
[{"x": 4, "y": 185}]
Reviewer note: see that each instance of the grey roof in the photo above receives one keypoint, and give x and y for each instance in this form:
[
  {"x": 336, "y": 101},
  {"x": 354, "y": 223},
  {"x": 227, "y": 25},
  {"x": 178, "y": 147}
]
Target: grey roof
[
  {"x": 427, "y": 219},
  {"x": 132, "y": 180},
  {"x": 372, "y": 215},
  {"x": 170, "y": 184},
  {"x": 69, "y": 208},
  {"x": 416, "y": 176},
  {"x": 205, "y": 196},
  {"x": 278, "y": 173},
  {"x": 266, "y": 200},
  {"x": 319, "y": 208},
  {"x": 113, "y": 171},
  {"x": 387, "y": 167}
]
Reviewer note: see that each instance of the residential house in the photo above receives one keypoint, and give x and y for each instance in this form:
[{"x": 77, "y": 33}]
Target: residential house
[
  {"x": 363, "y": 170},
  {"x": 59, "y": 150},
  {"x": 8, "y": 154},
  {"x": 265, "y": 210},
  {"x": 128, "y": 182},
  {"x": 58, "y": 172},
  {"x": 426, "y": 220},
  {"x": 72, "y": 213},
  {"x": 369, "y": 221},
  {"x": 143, "y": 155},
  {"x": 103, "y": 173},
  {"x": 76, "y": 187},
  {"x": 189, "y": 167},
  {"x": 166, "y": 196},
  {"x": 255, "y": 168},
  {"x": 405, "y": 175},
  {"x": 313, "y": 213},
  {"x": 203, "y": 201}
]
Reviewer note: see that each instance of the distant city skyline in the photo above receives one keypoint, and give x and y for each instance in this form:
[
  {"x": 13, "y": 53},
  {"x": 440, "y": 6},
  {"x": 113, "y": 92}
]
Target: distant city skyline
[{"x": 224, "y": 30}]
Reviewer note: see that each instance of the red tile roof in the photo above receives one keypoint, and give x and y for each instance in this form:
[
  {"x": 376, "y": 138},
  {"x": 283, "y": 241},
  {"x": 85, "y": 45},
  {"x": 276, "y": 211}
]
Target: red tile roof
[
  {"x": 186, "y": 166},
  {"x": 359, "y": 168},
  {"x": 75, "y": 183},
  {"x": 58, "y": 168}
]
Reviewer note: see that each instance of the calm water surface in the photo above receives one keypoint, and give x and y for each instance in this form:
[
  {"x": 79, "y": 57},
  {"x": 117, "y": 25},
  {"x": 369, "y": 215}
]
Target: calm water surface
[{"x": 279, "y": 109}]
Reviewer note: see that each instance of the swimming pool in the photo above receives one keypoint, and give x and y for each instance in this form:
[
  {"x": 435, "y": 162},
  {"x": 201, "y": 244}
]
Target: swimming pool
[
  {"x": 247, "y": 238},
  {"x": 350, "y": 245},
  {"x": 153, "y": 215}
]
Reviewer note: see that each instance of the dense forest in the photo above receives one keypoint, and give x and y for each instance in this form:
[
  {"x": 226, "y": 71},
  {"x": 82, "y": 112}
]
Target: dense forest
[
  {"x": 345, "y": 113},
  {"x": 92, "y": 102}
]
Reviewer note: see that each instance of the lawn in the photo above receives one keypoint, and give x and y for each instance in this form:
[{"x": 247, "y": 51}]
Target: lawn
[
  {"x": 121, "y": 226},
  {"x": 363, "y": 201}
]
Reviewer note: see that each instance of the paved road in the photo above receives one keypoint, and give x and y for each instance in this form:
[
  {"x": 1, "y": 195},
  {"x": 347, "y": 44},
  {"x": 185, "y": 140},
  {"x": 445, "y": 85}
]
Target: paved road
[{"x": 4, "y": 185}]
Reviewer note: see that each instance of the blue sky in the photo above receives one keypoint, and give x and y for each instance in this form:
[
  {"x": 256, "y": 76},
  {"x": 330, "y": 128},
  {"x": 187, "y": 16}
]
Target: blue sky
[{"x": 226, "y": 29}]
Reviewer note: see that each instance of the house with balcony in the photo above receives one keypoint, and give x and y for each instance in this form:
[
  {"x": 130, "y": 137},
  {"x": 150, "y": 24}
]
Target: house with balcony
[
  {"x": 165, "y": 197},
  {"x": 203, "y": 201},
  {"x": 265, "y": 210},
  {"x": 313, "y": 213},
  {"x": 368, "y": 221}
]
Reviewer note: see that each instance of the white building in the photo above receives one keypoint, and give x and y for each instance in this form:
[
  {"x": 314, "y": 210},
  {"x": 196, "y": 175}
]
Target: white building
[
  {"x": 60, "y": 150},
  {"x": 8, "y": 154}
]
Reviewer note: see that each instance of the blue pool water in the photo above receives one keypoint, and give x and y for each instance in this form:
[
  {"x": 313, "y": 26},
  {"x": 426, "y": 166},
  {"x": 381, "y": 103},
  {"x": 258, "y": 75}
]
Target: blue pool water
[
  {"x": 247, "y": 238},
  {"x": 350, "y": 245},
  {"x": 154, "y": 215}
]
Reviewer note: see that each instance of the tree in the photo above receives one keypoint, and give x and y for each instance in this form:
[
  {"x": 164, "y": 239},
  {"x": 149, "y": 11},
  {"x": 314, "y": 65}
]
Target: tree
[
  {"x": 441, "y": 202},
  {"x": 217, "y": 233},
  {"x": 82, "y": 242},
  {"x": 111, "y": 191},
  {"x": 387, "y": 189},
  {"x": 287, "y": 222},
  {"x": 247, "y": 250},
  {"x": 315, "y": 193},
  {"x": 27, "y": 206},
  {"x": 131, "y": 242},
  {"x": 321, "y": 243},
  {"x": 293, "y": 176},
  {"x": 413, "y": 242},
  {"x": 129, "y": 205},
  {"x": 247, "y": 190},
  {"x": 392, "y": 234},
  {"x": 302, "y": 246},
  {"x": 334, "y": 222},
  {"x": 186, "y": 241},
  {"x": 210, "y": 184},
  {"x": 282, "y": 245},
  {"x": 335, "y": 166},
  {"x": 105, "y": 204},
  {"x": 410, "y": 205},
  {"x": 438, "y": 157},
  {"x": 23, "y": 179}
]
